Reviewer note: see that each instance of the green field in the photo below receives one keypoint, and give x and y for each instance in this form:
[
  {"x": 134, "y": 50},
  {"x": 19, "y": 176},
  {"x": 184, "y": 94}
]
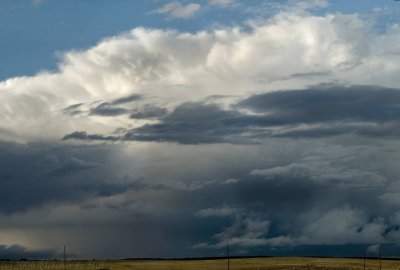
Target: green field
[{"x": 281, "y": 263}]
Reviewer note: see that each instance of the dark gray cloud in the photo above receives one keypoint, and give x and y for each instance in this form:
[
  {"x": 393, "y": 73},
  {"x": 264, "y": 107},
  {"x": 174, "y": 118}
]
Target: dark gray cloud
[
  {"x": 103, "y": 108},
  {"x": 328, "y": 103},
  {"x": 127, "y": 99},
  {"x": 84, "y": 136},
  {"x": 71, "y": 165},
  {"x": 184, "y": 196},
  {"x": 74, "y": 109},
  {"x": 285, "y": 179},
  {"x": 192, "y": 123},
  {"x": 34, "y": 174},
  {"x": 113, "y": 108},
  {"x": 325, "y": 110},
  {"x": 310, "y": 74},
  {"x": 17, "y": 252},
  {"x": 149, "y": 112},
  {"x": 107, "y": 109},
  {"x": 189, "y": 123}
]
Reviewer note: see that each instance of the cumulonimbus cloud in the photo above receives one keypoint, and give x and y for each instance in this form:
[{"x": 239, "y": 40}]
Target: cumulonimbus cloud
[
  {"x": 239, "y": 125},
  {"x": 167, "y": 67}
]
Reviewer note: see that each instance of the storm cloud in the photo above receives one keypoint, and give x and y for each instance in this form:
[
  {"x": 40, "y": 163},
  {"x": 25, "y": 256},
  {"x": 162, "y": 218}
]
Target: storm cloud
[
  {"x": 17, "y": 252},
  {"x": 278, "y": 137},
  {"x": 325, "y": 110}
]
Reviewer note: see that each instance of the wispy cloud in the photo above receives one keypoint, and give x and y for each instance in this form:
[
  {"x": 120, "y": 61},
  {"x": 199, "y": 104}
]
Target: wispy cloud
[
  {"x": 178, "y": 10},
  {"x": 221, "y": 2}
]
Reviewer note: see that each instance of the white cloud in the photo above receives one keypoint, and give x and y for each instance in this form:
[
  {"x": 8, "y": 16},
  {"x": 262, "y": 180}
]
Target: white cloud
[
  {"x": 221, "y": 2},
  {"x": 339, "y": 226},
  {"x": 342, "y": 226},
  {"x": 244, "y": 232},
  {"x": 169, "y": 67},
  {"x": 178, "y": 10},
  {"x": 308, "y": 4}
]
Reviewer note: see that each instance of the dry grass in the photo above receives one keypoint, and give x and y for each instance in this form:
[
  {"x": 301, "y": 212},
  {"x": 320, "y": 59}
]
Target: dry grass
[{"x": 290, "y": 263}]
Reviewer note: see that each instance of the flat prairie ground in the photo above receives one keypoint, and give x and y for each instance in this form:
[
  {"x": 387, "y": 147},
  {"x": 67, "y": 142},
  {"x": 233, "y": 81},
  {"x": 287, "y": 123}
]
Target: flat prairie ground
[{"x": 281, "y": 263}]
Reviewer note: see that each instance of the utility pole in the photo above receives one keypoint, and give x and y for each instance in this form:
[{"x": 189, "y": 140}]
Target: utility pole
[
  {"x": 227, "y": 253},
  {"x": 380, "y": 257},
  {"x": 365, "y": 255},
  {"x": 65, "y": 260}
]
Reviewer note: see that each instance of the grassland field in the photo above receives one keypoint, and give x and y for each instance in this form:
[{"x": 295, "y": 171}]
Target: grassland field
[{"x": 273, "y": 263}]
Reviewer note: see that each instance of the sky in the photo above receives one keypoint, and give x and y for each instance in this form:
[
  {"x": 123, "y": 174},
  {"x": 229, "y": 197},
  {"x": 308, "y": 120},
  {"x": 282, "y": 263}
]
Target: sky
[{"x": 175, "y": 128}]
